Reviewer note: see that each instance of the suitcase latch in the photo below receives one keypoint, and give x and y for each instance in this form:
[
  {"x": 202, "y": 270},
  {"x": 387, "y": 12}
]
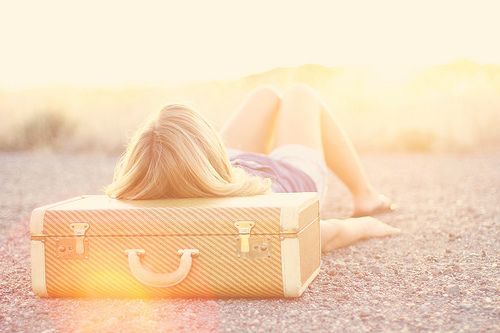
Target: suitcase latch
[
  {"x": 75, "y": 247},
  {"x": 244, "y": 228},
  {"x": 251, "y": 247},
  {"x": 79, "y": 230}
]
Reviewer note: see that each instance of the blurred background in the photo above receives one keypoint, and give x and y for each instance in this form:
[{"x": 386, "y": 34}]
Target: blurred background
[{"x": 419, "y": 76}]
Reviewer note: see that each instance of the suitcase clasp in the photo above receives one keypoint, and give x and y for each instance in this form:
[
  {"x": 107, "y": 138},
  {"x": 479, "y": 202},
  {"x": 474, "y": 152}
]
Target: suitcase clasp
[
  {"x": 79, "y": 230},
  {"x": 255, "y": 247},
  {"x": 76, "y": 246},
  {"x": 244, "y": 228}
]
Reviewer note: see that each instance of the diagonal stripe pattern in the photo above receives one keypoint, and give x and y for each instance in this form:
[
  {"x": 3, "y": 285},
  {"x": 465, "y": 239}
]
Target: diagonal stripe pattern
[
  {"x": 216, "y": 272},
  {"x": 163, "y": 221}
]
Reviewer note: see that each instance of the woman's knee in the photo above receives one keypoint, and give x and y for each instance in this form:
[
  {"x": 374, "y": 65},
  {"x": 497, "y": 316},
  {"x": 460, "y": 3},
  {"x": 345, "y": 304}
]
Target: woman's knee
[
  {"x": 267, "y": 93},
  {"x": 304, "y": 97}
]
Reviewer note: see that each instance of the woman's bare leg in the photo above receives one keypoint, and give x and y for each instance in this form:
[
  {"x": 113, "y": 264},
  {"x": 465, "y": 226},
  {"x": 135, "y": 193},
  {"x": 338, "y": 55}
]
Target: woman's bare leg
[
  {"x": 304, "y": 118},
  {"x": 342, "y": 158},
  {"x": 340, "y": 233},
  {"x": 251, "y": 127}
]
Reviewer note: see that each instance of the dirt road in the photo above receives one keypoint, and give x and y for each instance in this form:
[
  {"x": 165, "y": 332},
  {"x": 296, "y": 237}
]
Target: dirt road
[{"x": 441, "y": 274}]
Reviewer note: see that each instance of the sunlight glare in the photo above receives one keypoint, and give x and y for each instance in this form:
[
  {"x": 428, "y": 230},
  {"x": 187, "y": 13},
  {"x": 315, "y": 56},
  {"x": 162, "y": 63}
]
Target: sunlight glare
[{"x": 124, "y": 43}]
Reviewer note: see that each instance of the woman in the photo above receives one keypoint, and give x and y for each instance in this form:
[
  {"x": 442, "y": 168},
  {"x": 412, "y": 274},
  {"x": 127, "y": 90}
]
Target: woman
[{"x": 271, "y": 144}]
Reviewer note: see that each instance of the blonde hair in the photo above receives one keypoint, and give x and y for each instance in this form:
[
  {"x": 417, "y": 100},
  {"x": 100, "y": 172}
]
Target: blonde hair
[{"x": 177, "y": 153}]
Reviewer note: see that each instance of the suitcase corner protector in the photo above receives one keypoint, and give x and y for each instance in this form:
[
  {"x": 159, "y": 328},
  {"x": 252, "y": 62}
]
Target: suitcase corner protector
[{"x": 39, "y": 285}]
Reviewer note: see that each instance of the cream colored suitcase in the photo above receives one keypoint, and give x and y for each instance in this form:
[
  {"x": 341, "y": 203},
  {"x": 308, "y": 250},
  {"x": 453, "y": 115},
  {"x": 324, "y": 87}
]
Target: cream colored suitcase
[{"x": 256, "y": 246}]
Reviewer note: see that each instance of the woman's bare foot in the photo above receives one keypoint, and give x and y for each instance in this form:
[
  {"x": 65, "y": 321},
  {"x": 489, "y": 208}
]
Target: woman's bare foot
[
  {"x": 372, "y": 203},
  {"x": 375, "y": 228},
  {"x": 340, "y": 233}
]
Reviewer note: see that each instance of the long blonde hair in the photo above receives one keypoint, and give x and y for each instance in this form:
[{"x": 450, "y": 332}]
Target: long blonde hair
[{"x": 177, "y": 153}]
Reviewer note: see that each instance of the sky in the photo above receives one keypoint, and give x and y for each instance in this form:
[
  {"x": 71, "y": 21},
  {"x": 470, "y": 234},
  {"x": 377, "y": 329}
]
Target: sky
[{"x": 96, "y": 42}]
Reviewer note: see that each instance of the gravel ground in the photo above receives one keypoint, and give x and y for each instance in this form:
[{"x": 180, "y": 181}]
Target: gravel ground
[{"x": 441, "y": 274}]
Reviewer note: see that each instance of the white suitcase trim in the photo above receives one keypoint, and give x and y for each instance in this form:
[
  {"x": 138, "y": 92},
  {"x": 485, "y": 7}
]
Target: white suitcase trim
[
  {"x": 290, "y": 252},
  {"x": 38, "y": 268},
  {"x": 38, "y": 253},
  {"x": 290, "y": 266}
]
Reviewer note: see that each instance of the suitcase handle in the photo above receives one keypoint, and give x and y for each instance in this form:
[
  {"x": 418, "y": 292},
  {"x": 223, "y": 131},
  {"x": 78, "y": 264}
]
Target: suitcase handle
[{"x": 151, "y": 279}]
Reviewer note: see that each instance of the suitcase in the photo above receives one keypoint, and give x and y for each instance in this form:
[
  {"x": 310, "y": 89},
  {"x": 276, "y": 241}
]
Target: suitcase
[{"x": 255, "y": 246}]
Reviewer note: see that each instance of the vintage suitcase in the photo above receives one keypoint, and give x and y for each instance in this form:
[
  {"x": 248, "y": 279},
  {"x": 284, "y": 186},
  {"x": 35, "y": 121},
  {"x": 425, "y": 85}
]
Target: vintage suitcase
[{"x": 256, "y": 246}]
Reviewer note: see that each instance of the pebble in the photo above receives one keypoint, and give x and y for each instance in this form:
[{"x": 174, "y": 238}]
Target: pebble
[
  {"x": 332, "y": 272},
  {"x": 364, "y": 314},
  {"x": 359, "y": 274},
  {"x": 431, "y": 258},
  {"x": 466, "y": 306},
  {"x": 453, "y": 290}
]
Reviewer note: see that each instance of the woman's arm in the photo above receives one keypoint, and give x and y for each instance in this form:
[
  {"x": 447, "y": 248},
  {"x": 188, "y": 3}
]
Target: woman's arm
[{"x": 340, "y": 233}]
